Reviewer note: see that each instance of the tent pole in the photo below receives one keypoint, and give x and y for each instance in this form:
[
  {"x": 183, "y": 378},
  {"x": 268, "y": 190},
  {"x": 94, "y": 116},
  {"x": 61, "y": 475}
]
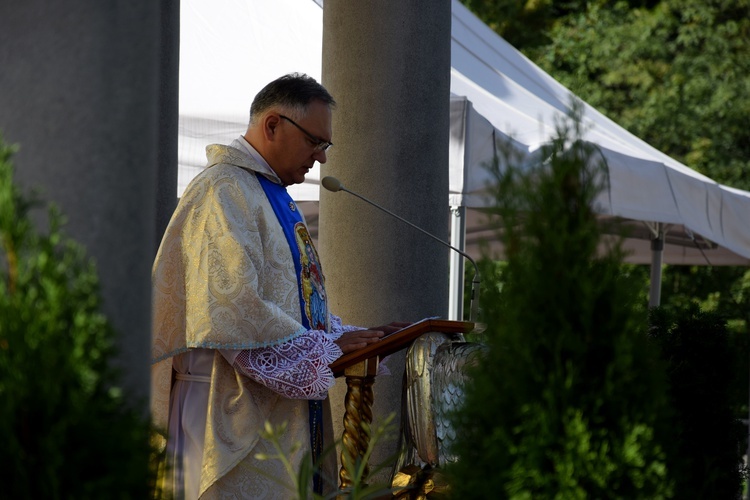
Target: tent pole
[
  {"x": 458, "y": 240},
  {"x": 657, "y": 253}
]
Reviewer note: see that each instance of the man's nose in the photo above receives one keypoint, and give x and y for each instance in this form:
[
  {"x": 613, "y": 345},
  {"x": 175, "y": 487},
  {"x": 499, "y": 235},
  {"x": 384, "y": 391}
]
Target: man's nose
[{"x": 320, "y": 156}]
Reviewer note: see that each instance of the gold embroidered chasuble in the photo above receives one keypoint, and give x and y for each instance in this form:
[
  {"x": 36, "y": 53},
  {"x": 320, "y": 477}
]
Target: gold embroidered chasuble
[{"x": 224, "y": 278}]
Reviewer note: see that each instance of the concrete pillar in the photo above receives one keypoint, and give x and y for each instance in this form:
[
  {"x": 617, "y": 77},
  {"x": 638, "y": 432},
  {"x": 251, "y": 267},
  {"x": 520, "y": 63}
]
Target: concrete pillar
[
  {"x": 88, "y": 89},
  {"x": 387, "y": 64}
]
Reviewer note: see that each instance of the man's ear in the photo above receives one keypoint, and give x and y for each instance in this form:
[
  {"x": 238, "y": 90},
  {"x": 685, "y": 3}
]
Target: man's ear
[{"x": 270, "y": 126}]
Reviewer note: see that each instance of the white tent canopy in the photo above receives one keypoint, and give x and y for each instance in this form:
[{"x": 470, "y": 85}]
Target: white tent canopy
[{"x": 230, "y": 48}]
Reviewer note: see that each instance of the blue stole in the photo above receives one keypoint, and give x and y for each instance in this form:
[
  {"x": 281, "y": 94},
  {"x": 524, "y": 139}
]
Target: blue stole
[{"x": 312, "y": 296}]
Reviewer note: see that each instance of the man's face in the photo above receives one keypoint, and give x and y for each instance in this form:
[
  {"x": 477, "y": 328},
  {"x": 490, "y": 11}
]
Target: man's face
[{"x": 298, "y": 150}]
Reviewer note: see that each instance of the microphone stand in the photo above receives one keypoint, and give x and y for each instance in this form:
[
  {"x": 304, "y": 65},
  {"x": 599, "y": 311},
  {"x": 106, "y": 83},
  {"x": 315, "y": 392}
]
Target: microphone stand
[{"x": 334, "y": 185}]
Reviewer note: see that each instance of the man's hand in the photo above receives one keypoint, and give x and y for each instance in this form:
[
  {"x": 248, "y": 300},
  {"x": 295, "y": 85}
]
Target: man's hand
[{"x": 351, "y": 341}]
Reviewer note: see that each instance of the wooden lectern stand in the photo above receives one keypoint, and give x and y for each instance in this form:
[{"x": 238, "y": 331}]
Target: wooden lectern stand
[{"x": 359, "y": 368}]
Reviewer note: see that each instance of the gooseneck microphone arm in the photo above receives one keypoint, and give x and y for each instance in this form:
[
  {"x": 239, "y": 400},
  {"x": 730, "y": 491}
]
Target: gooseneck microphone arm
[{"x": 334, "y": 185}]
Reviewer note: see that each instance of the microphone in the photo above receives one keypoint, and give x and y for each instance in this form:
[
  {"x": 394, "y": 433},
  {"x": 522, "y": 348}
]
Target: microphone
[{"x": 334, "y": 185}]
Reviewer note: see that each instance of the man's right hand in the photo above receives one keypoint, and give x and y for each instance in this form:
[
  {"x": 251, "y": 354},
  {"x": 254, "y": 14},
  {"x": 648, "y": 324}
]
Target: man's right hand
[{"x": 351, "y": 341}]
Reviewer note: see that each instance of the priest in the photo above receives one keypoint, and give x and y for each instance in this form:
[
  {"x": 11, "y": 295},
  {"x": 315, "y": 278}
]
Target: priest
[{"x": 242, "y": 334}]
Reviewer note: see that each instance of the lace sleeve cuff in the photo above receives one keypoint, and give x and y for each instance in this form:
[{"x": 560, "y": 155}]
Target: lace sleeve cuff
[
  {"x": 338, "y": 329},
  {"x": 297, "y": 369}
]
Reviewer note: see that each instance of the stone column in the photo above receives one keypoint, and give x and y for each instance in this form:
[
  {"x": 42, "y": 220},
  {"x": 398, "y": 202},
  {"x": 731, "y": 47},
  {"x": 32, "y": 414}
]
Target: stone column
[
  {"x": 387, "y": 64},
  {"x": 88, "y": 89}
]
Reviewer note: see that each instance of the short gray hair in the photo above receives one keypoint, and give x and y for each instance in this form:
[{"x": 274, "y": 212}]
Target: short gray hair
[{"x": 293, "y": 92}]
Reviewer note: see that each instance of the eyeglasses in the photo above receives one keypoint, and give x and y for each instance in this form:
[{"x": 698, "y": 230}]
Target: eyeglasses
[{"x": 320, "y": 144}]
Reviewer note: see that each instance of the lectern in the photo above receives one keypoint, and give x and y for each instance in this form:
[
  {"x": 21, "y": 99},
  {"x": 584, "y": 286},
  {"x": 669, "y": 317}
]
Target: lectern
[{"x": 359, "y": 368}]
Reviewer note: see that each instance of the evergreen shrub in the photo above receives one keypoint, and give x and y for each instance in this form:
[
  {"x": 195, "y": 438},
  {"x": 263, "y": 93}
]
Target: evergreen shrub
[
  {"x": 65, "y": 426},
  {"x": 570, "y": 400}
]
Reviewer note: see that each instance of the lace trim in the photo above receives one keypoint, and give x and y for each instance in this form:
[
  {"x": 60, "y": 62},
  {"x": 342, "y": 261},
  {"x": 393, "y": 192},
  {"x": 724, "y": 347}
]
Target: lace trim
[
  {"x": 297, "y": 369},
  {"x": 338, "y": 329}
]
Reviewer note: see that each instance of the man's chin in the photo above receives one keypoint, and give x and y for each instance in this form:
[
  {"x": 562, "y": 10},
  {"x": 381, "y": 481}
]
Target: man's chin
[{"x": 299, "y": 179}]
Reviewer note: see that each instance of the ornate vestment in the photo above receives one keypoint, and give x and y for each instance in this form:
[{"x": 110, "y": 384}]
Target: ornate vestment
[{"x": 225, "y": 277}]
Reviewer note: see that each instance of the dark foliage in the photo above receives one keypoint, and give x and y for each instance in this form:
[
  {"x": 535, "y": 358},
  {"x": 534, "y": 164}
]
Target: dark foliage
[
  {"x": 702, "y": 369},
  {"x": 570, "y": 401},
  {"x": 66, "y": 428}
]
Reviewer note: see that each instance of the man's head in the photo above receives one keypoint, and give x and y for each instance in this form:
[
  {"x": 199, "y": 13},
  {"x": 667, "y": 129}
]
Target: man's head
[{"x": 290, "y": 125}]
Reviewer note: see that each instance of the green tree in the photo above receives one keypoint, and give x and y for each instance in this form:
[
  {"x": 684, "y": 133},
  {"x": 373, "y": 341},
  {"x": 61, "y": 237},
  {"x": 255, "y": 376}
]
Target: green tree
[
  {"x": 66, "y": 427},
  {"x": 525, "y": 24},
  {"x": 570, "y": 400},
  {"x": 676, "y": 75}
]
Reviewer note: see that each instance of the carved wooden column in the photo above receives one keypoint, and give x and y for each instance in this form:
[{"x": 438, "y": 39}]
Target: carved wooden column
[{"x": 357, "y": 411}]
